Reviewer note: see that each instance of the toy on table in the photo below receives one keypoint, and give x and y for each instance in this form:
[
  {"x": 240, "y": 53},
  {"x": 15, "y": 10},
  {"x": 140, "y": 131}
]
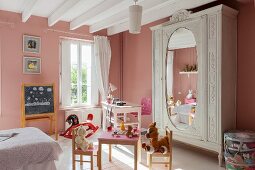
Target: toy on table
[
  {"x": 122, "y": 126},
  {"x": 115, "y": 133},
  {"x": 80, "y": 139},
  {"x": 129, "y": 132},
  {"x": 155, "y": 145},
  {"x": 74, "y": 122}
]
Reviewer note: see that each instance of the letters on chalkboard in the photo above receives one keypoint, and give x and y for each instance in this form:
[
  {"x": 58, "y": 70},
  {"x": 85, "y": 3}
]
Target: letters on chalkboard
[{"x": 38, "y": 99}]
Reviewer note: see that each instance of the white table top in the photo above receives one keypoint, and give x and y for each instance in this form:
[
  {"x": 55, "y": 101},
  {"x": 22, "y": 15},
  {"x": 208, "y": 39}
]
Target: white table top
[{"x": 127, "y": 105}]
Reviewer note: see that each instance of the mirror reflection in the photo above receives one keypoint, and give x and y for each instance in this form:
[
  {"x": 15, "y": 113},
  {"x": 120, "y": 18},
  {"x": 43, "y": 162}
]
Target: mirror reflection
[{"x": 181, "y": 78}]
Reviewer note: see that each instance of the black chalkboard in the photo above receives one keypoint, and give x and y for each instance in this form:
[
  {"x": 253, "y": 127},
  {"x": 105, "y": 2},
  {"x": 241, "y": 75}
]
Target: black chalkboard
[{"x": 38, "y": 99}]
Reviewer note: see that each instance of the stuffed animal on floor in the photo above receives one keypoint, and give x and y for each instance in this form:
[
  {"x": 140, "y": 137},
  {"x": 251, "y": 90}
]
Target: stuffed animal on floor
[
  {"x": 80, "y": 140},
  {"x": 156, "y": 145}
]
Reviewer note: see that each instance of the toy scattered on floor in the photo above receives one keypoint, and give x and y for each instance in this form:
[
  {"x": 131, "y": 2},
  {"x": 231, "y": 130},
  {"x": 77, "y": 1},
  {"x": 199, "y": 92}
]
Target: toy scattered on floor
[
  {"x": 74, "y": 122},
  {"x": 80, "y": 140},
  {"x": 155, "y": 145}
]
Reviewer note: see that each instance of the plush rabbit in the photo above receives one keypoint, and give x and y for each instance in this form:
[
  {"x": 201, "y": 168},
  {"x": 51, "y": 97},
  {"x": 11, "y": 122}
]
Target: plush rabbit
[{"x": 189, "y": 95}]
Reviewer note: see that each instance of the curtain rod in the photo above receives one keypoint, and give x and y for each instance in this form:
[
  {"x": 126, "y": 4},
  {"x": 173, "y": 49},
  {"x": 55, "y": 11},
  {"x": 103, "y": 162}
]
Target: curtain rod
[
  {"x": 67, "y": 32},
  {"x": 76, "y": 39}
]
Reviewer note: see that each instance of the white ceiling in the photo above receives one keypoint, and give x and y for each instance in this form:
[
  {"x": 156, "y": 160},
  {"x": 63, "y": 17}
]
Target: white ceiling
[{"x": 98, "y": 14}]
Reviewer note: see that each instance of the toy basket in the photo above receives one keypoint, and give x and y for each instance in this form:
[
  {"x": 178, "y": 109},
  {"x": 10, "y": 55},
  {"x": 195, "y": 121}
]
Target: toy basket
[{"x": 239, "y": 151}]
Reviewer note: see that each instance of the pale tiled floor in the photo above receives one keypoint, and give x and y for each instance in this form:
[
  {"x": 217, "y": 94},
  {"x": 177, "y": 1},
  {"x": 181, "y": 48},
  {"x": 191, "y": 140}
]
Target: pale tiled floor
[{"x": 184, "y": 158}]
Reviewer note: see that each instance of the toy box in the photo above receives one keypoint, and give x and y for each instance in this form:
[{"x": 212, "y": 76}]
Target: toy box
[{"x": 239, "y": 150}]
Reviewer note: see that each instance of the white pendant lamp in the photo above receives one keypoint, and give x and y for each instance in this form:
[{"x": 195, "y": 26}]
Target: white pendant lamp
[{"x": 135, "y": 18}]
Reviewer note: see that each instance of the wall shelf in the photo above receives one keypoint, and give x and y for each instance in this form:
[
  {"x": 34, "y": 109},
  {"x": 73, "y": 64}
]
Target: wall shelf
[{"x": 188, "y": 72}]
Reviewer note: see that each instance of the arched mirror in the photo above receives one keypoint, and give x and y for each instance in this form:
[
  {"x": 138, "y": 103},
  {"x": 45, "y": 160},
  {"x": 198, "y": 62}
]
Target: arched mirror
[{"x": 181, "y": 78}]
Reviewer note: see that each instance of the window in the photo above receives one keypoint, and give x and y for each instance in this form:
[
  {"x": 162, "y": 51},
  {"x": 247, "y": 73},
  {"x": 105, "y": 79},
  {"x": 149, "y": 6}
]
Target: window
[{"x": 77, "y": 75}]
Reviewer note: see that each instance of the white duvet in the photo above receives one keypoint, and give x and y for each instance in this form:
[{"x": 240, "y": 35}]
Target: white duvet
[{"x": 29, "y": 146}]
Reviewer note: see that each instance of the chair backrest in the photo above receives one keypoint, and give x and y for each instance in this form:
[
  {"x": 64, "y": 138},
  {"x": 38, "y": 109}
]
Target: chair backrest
[
  {"x": 169, "y": 134},
  {"x": 74, "y": 134}
]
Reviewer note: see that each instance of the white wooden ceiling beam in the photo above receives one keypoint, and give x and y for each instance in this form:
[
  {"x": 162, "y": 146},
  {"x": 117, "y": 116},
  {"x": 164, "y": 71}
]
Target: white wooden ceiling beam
[
  {"x": 60, "y": 11},
  {"x": 159, "y": 12},
  {"x": 123, "y": 15},
  {"x": 28, "y": 10},
  {"x": 96, "y": 7},
  {"x": 117, "y": 8}
]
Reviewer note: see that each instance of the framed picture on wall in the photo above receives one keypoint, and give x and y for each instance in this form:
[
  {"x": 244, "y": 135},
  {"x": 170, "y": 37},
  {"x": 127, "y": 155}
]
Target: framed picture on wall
[
  {"x": 31, "y": 44},
  {"x": 31, "y": 65}
]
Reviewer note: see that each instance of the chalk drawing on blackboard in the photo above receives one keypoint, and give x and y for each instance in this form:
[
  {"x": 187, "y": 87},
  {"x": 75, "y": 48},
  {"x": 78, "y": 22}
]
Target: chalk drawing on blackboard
[{"x": 38, "y": 99}]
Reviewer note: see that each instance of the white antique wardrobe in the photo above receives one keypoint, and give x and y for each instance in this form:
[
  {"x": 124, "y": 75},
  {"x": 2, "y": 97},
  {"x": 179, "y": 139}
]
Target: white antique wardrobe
[{"x": 215, "y": 34}]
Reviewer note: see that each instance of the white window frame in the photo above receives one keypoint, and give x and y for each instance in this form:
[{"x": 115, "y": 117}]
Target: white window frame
[{"x": 94, "y": 87}]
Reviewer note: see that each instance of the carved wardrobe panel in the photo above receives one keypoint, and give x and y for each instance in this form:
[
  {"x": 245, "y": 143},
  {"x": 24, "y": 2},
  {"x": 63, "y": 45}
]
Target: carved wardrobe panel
[{"x": 215, "y": 34}]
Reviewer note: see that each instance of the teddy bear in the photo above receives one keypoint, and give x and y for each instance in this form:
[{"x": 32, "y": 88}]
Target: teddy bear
[
  {"x": 80, "y": 140},
  {"x": 156, "y": 145},
  {"x": 129, "y": 133}
]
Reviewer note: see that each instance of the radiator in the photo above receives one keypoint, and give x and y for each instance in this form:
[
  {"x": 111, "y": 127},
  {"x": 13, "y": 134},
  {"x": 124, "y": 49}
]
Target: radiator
[{"x": 83, "y": 113}]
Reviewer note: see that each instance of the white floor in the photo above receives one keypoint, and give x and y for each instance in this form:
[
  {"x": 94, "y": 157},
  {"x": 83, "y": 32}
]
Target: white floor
[{"x": 184, "y": 158}]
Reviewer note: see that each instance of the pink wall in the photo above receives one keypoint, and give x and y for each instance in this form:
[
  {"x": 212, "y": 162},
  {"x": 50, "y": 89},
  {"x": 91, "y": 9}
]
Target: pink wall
[
  {"x": 182, "y": 83},
  {"x": 137, "y": 66},
  {"x": 115, "y": 70},
  {"x": 12, "y": 59},
  {"x": 246, "y": 63}
]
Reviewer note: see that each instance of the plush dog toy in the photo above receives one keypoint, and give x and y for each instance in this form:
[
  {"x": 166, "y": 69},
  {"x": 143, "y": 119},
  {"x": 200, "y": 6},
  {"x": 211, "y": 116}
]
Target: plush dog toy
[
  {"x": 156, "y": 145},
  {"x": 80, "y": 140}
]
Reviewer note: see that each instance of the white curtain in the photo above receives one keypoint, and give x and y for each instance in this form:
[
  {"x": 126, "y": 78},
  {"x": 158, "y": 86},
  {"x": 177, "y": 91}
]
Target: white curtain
[
  {"x": 102, "y": 52},
  {"x": 170, "y": 59},
  {"x": 65, "y": 85}
]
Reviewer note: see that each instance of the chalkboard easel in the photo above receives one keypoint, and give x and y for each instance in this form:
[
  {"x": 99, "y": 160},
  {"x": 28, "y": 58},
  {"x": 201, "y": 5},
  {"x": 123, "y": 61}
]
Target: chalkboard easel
[{"x": 38, "y": 103}]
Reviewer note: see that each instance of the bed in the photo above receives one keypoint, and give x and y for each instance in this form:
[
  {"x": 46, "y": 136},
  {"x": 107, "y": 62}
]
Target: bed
[{"x": 30, "y": 149}]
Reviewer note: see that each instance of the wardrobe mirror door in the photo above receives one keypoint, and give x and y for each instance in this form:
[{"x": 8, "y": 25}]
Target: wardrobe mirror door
[{"x": 181, "y": 78}]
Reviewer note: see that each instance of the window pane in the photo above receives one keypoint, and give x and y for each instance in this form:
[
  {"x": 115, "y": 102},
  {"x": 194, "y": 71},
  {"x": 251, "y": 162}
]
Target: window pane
[
  {"x": 74, "y": 73},
  {"x": 86, "y": 73},
  {"x": 84, "y": 84}
]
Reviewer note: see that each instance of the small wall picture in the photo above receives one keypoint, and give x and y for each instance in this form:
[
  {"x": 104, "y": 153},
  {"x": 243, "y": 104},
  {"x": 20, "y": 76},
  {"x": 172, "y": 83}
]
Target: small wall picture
[
  {"x": 31, "y": 44},
  {"x": 31, "y": 65}
]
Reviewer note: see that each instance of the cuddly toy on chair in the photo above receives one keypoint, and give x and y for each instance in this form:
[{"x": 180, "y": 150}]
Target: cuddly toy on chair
[
  {"x": 156, "y": 145},
  {"x": 80, "y": 140}
]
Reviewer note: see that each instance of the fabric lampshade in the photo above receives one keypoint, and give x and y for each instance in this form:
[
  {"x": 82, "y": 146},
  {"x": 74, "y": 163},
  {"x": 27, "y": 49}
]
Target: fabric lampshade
[{"x": 135, "y": 18}]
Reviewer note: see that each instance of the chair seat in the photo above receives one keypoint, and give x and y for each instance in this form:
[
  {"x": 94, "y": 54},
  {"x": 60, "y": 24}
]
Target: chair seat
[
  {"x": 167, "y": 155},
  {"x": 87, "y": 152},
  {"x": 159, "y": 154}
]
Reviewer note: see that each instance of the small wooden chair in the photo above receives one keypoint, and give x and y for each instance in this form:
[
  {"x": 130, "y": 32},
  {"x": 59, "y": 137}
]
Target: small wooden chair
[
  {"x": 168, "y": 155},
  {"x": 76, "y": 151}
]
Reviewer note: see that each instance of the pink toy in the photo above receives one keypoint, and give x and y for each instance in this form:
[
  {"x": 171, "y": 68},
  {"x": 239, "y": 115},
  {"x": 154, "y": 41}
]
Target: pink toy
[{"x": 189, "y": 101}]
